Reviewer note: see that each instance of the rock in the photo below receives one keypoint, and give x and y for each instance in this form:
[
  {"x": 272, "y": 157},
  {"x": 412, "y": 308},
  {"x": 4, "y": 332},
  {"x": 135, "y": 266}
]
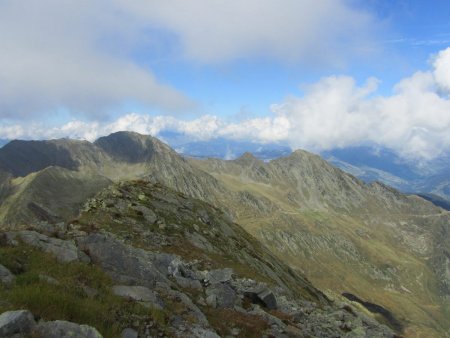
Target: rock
[
  {"x": 188, "y": 283},
  {"x": 140, "y": 294},
  {"x": 190, "y": 306},
  {"x": 219, "y": 275},
  {"x": 13, "y": 322},
  {"x": 263, "y": 296},
  {"x": 64, "y": 329},
  {"x": 48, "y": 279},
  {"x": 211, "y": 300},
  {"x": 148, "y": 214},
  {"x": 201, "y": 332},
  {"x": 225, "y": 295},
  {"x": 6, "y": 276},
  {"x": 65, "y": 251},
  {"x": 129, "y": 333},
  {"x": 293, "y": 331},
  {"x": 126, "y": 264}
]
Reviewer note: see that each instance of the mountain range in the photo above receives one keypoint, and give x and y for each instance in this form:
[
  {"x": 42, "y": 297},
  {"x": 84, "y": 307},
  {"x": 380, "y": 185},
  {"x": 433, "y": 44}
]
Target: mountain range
[{"x": 301, "y": 218}]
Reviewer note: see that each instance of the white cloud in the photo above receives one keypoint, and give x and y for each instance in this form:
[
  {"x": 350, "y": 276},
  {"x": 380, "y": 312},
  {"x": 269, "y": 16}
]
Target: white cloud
[
  {"x": 217, "y": 30},
  {"x": 78, "y": 55},
  {"x": 335, "y": 112},
  {"x": 442, "y": 70},
  {"x": 59, "y": 55}
]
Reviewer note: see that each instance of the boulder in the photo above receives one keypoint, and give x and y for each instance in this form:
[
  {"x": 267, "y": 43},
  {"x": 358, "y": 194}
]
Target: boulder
[
  {"x": 16, "y": 322},
  {"x": 6, "y": 277},
  {"x": 263, "y": 296},
  {"x": 129, "y": 333},
  {"x": 64, "y": 329},
  {"x": 126, "y": 264},
  {"x": 222, "y": 295},
  {"x": 65, "y": 251},
  {"x": 219, "y": 275}
]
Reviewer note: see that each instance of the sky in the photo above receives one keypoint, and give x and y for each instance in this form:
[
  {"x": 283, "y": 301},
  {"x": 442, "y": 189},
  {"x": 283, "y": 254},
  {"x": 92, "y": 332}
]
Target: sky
[{"x": 313, "y": 74}]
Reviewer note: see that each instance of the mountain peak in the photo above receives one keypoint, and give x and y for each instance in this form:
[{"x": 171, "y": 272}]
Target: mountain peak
[
  {"x": 128, "y": 146},
  {"x": 247, "y": 158}
]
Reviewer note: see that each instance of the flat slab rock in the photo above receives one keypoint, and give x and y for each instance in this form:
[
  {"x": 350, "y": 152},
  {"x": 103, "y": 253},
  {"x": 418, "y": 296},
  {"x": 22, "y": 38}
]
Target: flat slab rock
[
  {"x": 65, "y": 251},
  {"x": 126, "y": 264}
]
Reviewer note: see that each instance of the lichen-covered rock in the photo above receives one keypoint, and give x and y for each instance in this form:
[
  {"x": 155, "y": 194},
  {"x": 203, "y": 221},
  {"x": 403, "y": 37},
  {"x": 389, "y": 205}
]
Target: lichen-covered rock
[{"x": 16, "y": 322}]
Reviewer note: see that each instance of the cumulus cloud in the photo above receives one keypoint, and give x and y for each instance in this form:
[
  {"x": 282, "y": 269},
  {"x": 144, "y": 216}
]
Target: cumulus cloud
[
  {"x": 335, "y": 112},
  {"x": 72, "y": 55}
]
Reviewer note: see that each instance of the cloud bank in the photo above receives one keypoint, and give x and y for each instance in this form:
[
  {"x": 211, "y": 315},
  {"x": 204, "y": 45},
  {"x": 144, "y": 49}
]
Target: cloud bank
[{"x": 85, "y": 57}]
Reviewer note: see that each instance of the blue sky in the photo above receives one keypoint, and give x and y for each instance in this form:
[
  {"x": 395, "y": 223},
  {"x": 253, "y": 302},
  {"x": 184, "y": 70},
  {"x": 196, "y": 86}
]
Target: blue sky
[{"x": 312, "y": 74}]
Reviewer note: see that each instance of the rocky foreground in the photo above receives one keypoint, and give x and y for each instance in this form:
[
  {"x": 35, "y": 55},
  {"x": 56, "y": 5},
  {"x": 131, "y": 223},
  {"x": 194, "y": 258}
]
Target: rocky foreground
[{"x": 145, "y": 261}]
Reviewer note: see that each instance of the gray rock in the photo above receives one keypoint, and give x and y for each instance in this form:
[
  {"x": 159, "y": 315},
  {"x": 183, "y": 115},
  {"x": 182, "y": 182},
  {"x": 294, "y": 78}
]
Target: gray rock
[
  {"x": 65, "y": 251},
  {"x": 226, "y": 297},
  {"x": 190, "y": 306},
  {"x": 188, "y": 283},
  {"x": 129, "y": 333},
  {"x": 148, "y": 214},
  {"x": 6, "y": 276},
  {"x": 14, "y": 322},
  {"x": 201, "y": 332},
  {"x": 211, "y": 300},
  {"x": 262, "y": 295},
  {"x": 64, "y": 329},
  {"x": 125, "y": 263},
  {"x": 140, "y": 294},
  {"x": 219, "y": 275},
  {"x": 48, "y": 279}
]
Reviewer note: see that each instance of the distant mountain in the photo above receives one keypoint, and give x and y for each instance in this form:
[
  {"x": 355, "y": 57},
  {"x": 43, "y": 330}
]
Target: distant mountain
[
  {"x": 375, "y": 164},
  {"x": 223, "y": 148},
  {"x": 369, "y": 163}
]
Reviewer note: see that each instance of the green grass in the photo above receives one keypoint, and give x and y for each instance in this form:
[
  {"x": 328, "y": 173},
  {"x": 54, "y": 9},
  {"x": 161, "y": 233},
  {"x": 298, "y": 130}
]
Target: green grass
[{"x": 66, "y": 299}]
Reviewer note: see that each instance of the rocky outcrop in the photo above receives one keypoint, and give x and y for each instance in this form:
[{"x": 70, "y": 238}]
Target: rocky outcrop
[
  {"x": 125, "y": 263},
  {"x": 64, "y": 250}
]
